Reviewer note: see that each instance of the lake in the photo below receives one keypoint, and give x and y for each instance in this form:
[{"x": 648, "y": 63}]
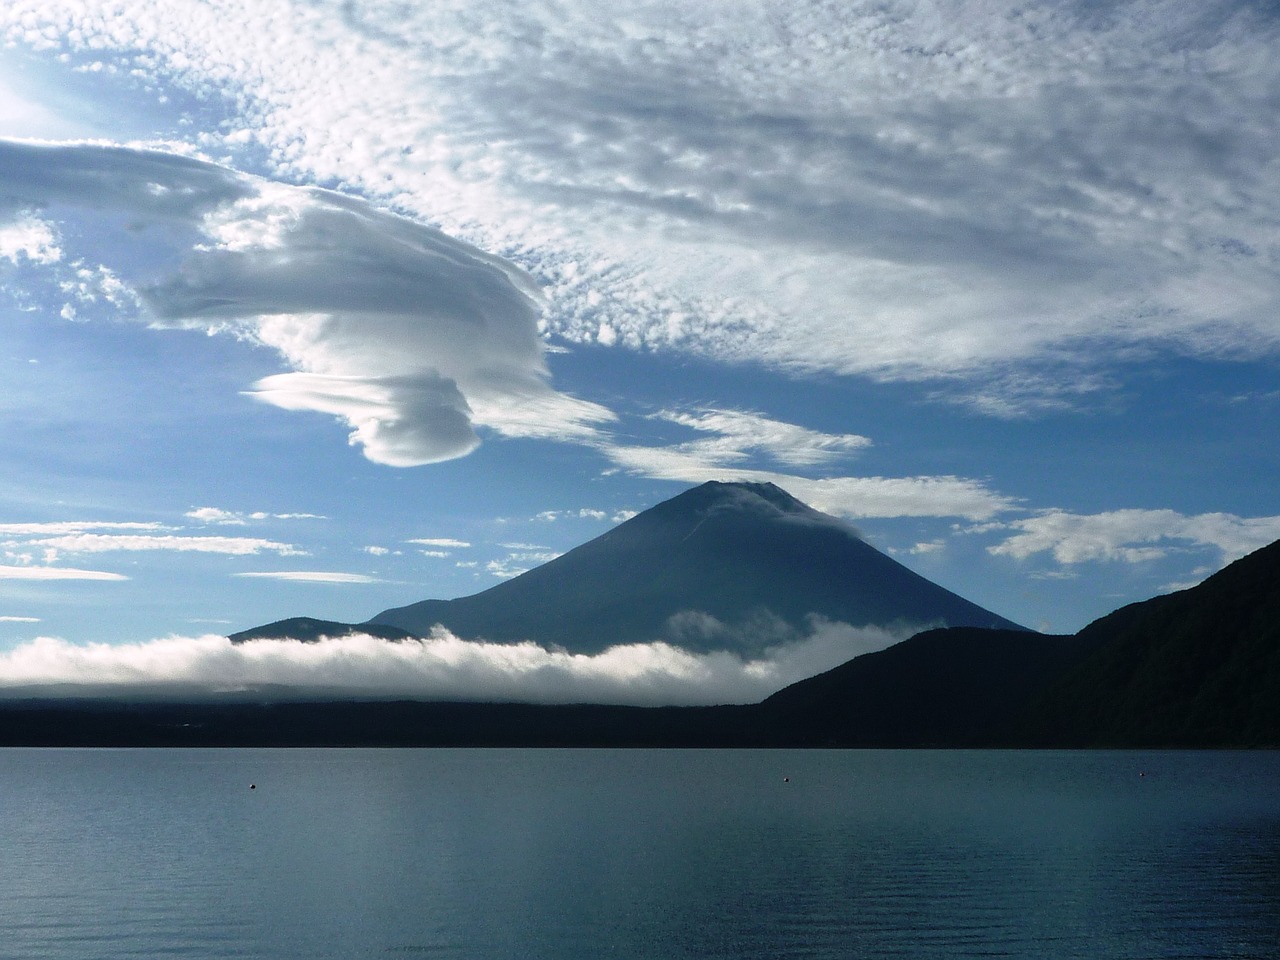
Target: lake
[{"x": 638, "y": 854}]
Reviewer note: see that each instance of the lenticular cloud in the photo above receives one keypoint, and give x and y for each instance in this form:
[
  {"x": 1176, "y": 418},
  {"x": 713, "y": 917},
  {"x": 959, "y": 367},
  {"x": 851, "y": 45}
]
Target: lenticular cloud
[
  {"x": 411, "y": 337},
  {"x": 440, "y": 667}
]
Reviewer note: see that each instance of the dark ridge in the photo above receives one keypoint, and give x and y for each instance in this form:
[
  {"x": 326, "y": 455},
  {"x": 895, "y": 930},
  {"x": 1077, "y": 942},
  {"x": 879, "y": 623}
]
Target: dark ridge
[
  {"x": 369, "y": 724},
  {"x": 309, "y": 629},
  {"x": 1200, "y": 667},
  {"x": 961, "y": 686}
]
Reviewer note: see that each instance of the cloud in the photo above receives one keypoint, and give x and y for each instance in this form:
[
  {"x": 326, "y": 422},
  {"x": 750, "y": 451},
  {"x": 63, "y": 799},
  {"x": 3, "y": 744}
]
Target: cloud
[
  {"x": 55, "y": 573},
  {"x": 102, "y": 543},
  {"x": 942, "y": 190},
  {"x": 854, "y": 497},
  {"x": 69, "y": 527},
  {"x": 739, "y": 433},
  {"x": 585, "y": 513},
  {"x": 311, "y": 576},
  {"x": 29, "y": 239},
  {"x": 440, "y": 542},
  {"x": 522, "y": 558},
  {"x": 412, "y": 338},
  {"x": 236, "y": 518},
  {"x": 19, "y": 619},
  {"x": 215, "y": 515},
  {"x": 1132, "y": 536},
  {"x": 441, "y": 667}
]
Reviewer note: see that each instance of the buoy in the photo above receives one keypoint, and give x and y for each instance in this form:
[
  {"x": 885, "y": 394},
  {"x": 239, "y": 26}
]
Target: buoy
[
  {"x": 786, "y": 779},
  {"x": 253, "y": 786}
]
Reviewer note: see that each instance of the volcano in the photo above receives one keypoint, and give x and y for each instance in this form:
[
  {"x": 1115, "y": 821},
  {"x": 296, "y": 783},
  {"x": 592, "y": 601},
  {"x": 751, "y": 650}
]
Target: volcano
[{"x": 723, "y": 566}]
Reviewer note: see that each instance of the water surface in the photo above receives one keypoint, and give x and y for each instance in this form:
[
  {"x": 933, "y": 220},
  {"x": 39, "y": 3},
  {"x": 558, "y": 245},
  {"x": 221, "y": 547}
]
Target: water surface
[{"x": 638, "y": 854}]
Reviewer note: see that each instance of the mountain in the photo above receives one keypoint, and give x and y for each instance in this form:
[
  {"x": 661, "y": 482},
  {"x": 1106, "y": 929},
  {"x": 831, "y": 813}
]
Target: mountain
[
  {"x": 1200, "y": 667},
  {"x": 724, "y": 565},
  {"x": 309, "y": 629},
  {"x": 961, "y": 686}
]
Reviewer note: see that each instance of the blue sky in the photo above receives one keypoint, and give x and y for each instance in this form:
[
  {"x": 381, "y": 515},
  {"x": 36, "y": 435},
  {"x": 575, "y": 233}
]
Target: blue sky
[{"x": 328, "y": 307}]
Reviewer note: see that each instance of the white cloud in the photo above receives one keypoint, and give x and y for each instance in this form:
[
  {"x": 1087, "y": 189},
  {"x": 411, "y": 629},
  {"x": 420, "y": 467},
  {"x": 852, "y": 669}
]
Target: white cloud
[
  {"x": 585, "y": 513},
  {"x": 216, "y": 515},
  {"x": 236, "y": 518},
  {"x": 102, "y": 543},
  {"x": 377, "y": 551},
  {"x": 739, "y": 433},
  {"x": 507, "y": 569},
  {"x": 55, "y": 573},
  {"x": 854, "y": 497},
  {"x": 19, "y": 619},
  {"x": 29, "y": 239},
  {"x": 937, "y": 189},
  {"x": 411, "y": 337},
  {"x": 1132, "y": 536},
  {"x": 859, "y": 497},
  {"x": 311, "y": 576},
  {"x": 98, "y": 285},
  {"x": 66, "y": 527},
  {"x": 441, "y": 667},
  {"x": 440, "y": 542},
  {"x": 722, "y": 458}
]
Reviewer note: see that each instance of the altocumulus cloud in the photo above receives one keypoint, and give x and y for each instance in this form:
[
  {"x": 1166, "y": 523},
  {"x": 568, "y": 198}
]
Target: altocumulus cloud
[
  {"x": 948, "y": 188},
  {"x": 440, "y": 667},
  {"x": 1131, "y": 536},
  {"x": 729, "y": 437},
  {"x": 412, "y": 338}
]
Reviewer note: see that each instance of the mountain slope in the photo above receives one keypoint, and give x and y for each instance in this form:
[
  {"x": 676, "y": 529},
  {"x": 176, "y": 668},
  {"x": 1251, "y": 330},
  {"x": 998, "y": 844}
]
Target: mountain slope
[
  {"x": 724, "y": 565},
  {"x": 1197, "y": 667},
  {"x": 309, "y": 629},
  {"x": 961, "y": 686}
]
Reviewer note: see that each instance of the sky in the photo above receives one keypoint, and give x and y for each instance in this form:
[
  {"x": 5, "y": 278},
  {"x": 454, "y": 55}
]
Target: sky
[{"x": 327, "y": 307}]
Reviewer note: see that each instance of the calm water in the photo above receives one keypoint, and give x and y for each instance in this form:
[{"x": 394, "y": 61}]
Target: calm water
[{"x": 661, "y": 854}]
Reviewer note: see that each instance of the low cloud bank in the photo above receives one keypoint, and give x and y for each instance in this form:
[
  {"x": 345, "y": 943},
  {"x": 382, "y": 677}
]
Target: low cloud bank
[{"x": 440, "y": 667}]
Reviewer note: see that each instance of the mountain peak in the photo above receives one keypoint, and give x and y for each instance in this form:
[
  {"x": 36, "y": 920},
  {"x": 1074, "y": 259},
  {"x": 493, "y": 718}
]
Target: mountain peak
[
  {"x": 764, "y": 502},
  {"x": 724, "y": 565},
  {"x": 737, "y": 493}
]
